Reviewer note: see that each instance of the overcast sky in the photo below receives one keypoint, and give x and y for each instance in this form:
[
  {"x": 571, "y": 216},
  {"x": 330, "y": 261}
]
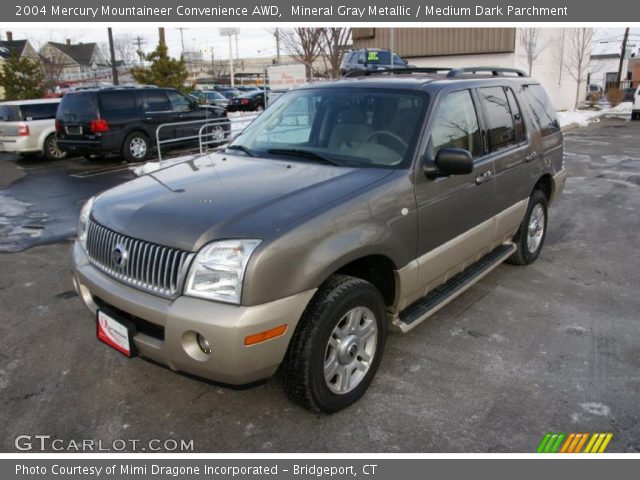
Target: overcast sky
[{"x": 252, "y": 42}]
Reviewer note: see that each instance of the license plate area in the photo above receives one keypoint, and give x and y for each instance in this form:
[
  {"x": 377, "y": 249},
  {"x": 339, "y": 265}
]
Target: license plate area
[
  {"x": 117, "y": 332},
  {"x": 73, "y": 130}
]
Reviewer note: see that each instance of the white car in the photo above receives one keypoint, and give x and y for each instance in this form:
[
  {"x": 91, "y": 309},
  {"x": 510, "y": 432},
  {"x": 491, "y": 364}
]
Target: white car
[
  {"x": 28, "y": 126},
  {"x": 635, "y": 110}
]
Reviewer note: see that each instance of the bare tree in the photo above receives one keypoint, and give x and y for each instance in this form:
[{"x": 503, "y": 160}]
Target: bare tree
[
  {"x": 304, "y": 45},
  {"x": 530, "y": 38},
  {"x": 52, "y": 63},
  {"x": 334, "y": 41},
  {"x": 578, "y": 52},
  {"x": 125, "y": 46}
]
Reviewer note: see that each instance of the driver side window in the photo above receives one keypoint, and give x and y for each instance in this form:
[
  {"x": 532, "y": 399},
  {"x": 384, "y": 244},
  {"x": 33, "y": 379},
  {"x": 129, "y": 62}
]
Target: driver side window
[{"x": 456, "y": 124}]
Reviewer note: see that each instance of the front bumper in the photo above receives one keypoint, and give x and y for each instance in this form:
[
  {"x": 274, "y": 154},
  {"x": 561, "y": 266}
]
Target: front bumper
[{"x": 224, "y": 326}]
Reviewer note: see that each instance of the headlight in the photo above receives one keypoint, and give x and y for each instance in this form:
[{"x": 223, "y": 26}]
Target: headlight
[
  {"x": 83, "y": 222},
  {"x": 218, "y": 270}
]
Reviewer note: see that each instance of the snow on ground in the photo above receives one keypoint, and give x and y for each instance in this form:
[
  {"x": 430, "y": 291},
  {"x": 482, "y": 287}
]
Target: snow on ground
[
  {"x": 581, "y": 117},
  {"x": 622, "y": 110},
  {"x": 11, "y": 207}
]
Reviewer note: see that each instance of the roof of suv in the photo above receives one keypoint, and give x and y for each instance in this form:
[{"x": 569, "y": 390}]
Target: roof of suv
[{"x": 416, "y": 78}]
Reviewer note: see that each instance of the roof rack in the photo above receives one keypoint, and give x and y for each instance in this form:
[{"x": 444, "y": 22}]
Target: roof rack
[
  {"x": 451, "y": 72},
  {"x": 495, "y": 71}
]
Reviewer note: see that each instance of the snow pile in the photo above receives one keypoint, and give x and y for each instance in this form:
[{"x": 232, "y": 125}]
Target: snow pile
[
  {"x": 622, "y": 110},
  {"x": 580, "y": 117}
]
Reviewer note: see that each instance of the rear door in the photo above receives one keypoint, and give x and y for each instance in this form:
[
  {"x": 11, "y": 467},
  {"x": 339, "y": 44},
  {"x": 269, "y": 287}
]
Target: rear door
[
  {"x": 75, "y": 113},
  {"x": 508, "y": 146}
]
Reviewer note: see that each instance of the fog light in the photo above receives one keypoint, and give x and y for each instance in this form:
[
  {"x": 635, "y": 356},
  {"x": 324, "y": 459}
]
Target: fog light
[{"x": 204, "y": 344}]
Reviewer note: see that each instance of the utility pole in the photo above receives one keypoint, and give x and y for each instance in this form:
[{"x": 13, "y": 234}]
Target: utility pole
[
  {"x": 277, "y": 35},
  {"x": 623, "y": 54},
  {"x": 139, "y": 41},
  {"x": 231, "y": 61},
  {"x": 182, "y": 29},
  {"x": 391, "y": 46},
  {"x": 112, "y": 51}
]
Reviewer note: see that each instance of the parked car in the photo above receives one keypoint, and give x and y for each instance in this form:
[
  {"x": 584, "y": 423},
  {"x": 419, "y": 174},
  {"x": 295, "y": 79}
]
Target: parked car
[
  {"x": 28, "y": 127},
  {"x": 210, "y": 97},
  {"x": 370, "y": 59},
  {"x": 595, "y": 93},
  {"x": 346, "y": 208},
  {"x": 228, "y": 92},
  {"x": 101, "y": 121},
  {"x": 249, "y": 102},
  {"x": 248, "y": 88},
  {"x": 629, "y": 94},
  {"x": 635, "y": 110},
  {"x": 273, "y": 95}
]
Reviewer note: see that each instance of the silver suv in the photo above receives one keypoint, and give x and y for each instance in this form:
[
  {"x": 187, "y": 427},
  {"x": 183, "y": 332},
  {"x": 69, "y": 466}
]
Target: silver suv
[
  {"x": 346, "y": 209},
  {"x": 28, "y": 127}
]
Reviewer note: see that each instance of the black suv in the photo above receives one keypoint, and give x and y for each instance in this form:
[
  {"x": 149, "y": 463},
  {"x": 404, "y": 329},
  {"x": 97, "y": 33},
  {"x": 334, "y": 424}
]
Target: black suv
[
  {"x": 100, "y": 121},
  {"x": 370, "y": 59}
]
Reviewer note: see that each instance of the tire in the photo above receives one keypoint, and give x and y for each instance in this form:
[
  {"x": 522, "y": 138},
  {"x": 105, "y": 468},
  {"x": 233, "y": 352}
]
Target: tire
[
  {"x": 51, "y": 151},
  {"x": 136, "y": 147},
  {"x": 530, "y": 246},
  {"x": 325, "y": 340}
]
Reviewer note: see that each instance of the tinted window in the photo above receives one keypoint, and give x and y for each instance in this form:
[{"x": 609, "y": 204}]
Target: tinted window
[
  {"x": 179, "y": 102},
  {"x": 117, "y": 104},
  {"x": 542, "y": 109},
  {"x": 500, "y": 127},
  {"x": 456, "y": 124},
  {"x": 39, "y": 111},
  {"x": 518, "y": 122},
  {"x": 9, "y": 113},
  {"x": 155, "y": 101},
  {"x": 75, "y": 106}
]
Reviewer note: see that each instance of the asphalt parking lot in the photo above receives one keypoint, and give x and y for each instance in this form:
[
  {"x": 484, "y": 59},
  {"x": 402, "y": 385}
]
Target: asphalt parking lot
[{"x": 553, "y": 347}]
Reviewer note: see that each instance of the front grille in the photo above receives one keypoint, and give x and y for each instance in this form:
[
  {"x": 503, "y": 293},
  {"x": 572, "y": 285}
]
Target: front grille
[{"x": 144, "y": 265}]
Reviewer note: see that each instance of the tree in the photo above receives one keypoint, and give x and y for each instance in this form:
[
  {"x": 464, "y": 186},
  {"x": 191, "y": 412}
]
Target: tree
[
  {"x": 530, "y": 39},
  {"x": 52, "y": 64},
  {"x": 334, "y": 43},
  {"x": 21, "y": 78},
  {"x": 577, "y": 56},
  {"x": 304, "y": 45},
  {"x": 164, "y": 71}
]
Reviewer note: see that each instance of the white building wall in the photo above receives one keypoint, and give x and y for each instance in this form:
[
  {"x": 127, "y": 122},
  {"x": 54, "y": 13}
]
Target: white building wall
[{"x": 548, "y": 69}]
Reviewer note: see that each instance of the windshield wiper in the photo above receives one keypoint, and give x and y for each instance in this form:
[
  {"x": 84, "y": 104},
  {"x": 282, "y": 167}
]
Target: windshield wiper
[
  {"x": 243, "y": 149},
  {"x": 299, "y": 152}
]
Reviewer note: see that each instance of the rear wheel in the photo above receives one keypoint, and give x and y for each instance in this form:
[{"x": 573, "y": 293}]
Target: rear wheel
[
  {"x": 530, "y": 236},
  {"x": 51, "y": 149},
  {"x": 136, "y": 147},
  {"x": 337, "y": 347}
]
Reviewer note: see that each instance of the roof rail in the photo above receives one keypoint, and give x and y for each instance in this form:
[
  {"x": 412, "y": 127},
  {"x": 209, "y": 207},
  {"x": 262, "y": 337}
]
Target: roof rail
[
  {"x": 407, "y": 70},
  {"x": 495, "y": 71}
]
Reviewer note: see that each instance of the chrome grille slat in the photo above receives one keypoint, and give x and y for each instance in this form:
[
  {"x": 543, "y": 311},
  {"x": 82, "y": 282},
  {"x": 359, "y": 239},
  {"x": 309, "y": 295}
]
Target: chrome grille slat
[{"x": 151, "y": 267}]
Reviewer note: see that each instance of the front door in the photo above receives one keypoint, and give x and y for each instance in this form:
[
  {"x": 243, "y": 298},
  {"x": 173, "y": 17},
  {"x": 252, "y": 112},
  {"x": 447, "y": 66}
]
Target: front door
[{"x": 451, "y": 209}]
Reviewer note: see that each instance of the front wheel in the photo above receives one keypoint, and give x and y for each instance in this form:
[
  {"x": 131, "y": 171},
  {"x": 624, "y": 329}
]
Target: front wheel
[
  {"x": 337, "y": 347},
  {"x": 530, "y": 236},
  {"x": 51, "y": 149},
  {"x": 136, "y": 147}
]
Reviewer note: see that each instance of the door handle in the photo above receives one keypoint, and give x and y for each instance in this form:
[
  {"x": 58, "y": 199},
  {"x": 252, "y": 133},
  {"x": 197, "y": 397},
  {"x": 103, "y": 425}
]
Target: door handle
[
  {"x": 483, "y": 178},
  {"x": 532, "y": 156}
]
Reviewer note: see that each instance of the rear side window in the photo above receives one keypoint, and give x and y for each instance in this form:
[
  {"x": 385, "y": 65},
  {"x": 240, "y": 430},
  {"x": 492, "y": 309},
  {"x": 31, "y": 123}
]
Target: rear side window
[
  {"x": 500, "y": 127},
  {"x": 456, "y": 124},
  {"x": 542, "y": 109},
  {"x": 117, "y": 104},
  {"x": 155, "y": 101},
  {"x": 39, "y": 111},
  {"x": 76, "y": 106},
  {"x": 518, "y": 122},
  {"x": 10, "y": 113}
]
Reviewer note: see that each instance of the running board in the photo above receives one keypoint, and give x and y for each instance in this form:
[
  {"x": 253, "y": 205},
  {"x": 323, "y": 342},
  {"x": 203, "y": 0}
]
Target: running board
[{"x": 419, "y": 311}]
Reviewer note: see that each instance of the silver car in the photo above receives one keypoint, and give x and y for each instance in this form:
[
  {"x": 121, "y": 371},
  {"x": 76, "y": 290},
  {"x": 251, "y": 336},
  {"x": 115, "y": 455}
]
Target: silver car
[{"x": 28, "y": 127}]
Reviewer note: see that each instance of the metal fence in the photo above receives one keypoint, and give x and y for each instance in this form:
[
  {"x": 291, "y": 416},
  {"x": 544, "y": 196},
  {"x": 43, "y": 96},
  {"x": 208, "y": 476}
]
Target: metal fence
[{"x": 212, "y": 132}]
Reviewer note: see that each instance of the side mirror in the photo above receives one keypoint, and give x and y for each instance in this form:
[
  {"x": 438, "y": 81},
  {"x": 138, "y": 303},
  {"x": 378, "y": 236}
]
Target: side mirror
[{"x": 449, "y": 161}]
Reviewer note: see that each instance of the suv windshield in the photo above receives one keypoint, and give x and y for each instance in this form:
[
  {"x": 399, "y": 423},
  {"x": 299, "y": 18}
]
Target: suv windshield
[{"x": 348, "y": 126}]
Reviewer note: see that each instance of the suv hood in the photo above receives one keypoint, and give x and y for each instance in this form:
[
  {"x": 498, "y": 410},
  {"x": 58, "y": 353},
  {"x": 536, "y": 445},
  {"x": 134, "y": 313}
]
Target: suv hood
[{"x": 224, "y": 196}]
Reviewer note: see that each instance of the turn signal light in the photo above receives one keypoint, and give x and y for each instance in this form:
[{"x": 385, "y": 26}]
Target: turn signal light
[
  {"x": 99, "y": 125},
  {"x": 266, "y": 335}
]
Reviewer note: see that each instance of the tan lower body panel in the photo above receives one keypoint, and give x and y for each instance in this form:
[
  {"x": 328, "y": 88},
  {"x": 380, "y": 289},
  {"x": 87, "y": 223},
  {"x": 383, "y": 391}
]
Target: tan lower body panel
[{"x": 434, "y": 268}]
